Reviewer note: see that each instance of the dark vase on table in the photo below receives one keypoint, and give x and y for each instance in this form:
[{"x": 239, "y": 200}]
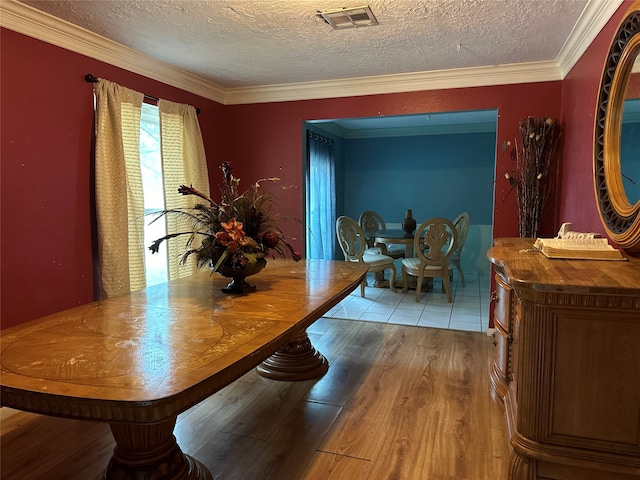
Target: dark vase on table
[
  {"x": 238, "y": 284},
  {"x": 409, "y": 224}
]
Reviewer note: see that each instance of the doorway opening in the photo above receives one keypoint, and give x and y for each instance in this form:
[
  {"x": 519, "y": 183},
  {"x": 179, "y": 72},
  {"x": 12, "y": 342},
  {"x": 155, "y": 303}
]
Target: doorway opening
[{"x": 437, "y": 164}]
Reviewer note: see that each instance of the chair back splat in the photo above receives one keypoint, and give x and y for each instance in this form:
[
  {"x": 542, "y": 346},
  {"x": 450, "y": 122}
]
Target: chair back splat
[
  {"x": 354, "y": 246},
  {"x": 434, "y": 242},
  {"x": 462, "y": 223},
  {"x": 373, "y": 224}
]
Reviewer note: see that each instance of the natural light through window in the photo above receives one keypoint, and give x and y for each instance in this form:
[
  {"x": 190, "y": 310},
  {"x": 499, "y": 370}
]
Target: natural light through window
[{"x": 151, "y": 166}]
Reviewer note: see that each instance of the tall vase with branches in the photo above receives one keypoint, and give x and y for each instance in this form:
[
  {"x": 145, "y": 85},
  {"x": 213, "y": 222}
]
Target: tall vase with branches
[{"x": 535, "y": 157}]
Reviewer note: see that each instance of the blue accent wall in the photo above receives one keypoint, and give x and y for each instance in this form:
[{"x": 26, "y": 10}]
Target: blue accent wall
[{"x": 434, "y": 175}]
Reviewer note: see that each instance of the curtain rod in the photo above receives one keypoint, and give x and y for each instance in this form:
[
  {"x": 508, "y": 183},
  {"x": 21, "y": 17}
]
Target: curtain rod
[
  {"x": 91, "y": 79},
  {"x": 317, "y": 136}
]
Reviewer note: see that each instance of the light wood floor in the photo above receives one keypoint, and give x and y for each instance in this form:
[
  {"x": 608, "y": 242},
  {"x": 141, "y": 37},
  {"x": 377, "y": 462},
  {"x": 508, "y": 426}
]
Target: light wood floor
[{"x": 399, "y": 402}]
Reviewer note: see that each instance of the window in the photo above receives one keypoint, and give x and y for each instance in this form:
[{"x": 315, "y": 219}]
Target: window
[
  {"x": 153, "y": 191},
  {"x": 123, "y": 135}
]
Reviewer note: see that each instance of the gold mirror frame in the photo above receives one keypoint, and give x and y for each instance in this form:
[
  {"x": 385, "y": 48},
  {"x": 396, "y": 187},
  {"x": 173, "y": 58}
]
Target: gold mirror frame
[{"x": 620, "y": 219}]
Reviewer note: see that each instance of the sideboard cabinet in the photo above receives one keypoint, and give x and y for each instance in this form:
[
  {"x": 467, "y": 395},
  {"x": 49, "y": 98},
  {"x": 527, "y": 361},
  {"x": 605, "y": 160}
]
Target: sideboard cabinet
[
  {"x": 502, "y": 368},
  {"x": 566, "y": 365}
]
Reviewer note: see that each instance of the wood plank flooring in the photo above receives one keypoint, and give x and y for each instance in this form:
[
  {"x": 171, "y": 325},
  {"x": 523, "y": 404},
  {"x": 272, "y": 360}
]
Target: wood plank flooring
[{"x": 398, "y": 403}]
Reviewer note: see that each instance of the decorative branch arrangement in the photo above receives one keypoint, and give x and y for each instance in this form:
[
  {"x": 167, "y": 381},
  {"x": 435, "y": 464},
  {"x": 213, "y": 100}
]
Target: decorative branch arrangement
[
  {"x": 235, "y": 231},
  {"x": 534, "y": 155}
]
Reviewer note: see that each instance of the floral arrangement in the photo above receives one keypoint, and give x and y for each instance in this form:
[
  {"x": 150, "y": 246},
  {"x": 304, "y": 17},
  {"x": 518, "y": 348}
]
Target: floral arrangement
[
  {"x": 234, "y": 232},
  {"x": 534, "y": 156}
]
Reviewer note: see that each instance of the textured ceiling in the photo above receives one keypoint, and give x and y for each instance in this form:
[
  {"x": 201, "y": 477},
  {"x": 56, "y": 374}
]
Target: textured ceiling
[{"x": 246, "y": 43}]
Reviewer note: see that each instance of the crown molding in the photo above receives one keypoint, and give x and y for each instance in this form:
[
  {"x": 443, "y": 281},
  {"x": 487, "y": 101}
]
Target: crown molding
[
  {"x": 42, "y": 26},
  {"x": 593, "y": 18},
  {"x": 29, "y": 21},
  {"x": 397, "y": 83}
]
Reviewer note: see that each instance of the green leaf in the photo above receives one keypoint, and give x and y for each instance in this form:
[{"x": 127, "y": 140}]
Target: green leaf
[{"x": 222, "y": 258}]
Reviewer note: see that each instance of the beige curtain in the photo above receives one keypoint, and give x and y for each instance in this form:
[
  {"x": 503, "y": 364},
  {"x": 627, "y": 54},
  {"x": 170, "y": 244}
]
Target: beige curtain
[
  {"x": 119, "y": 195},
  {"x": 183, "y": 162}
]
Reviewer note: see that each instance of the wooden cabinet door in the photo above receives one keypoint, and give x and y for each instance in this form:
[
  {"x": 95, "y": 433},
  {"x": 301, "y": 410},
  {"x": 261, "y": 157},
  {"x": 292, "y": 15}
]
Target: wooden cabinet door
[{"x": 502, "y": 356}]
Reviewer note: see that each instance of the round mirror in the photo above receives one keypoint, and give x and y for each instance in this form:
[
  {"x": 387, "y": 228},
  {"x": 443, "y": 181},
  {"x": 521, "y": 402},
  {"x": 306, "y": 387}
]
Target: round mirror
[{"x": 619, "y": 207}]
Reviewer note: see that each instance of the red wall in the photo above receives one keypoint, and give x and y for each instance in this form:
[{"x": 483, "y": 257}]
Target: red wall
[
  {"x": 47, "y": 115},
  {"x": 276, "y": 136},
  {"x": 46, "y": 237},
  {"x": 579, "y": 97}
]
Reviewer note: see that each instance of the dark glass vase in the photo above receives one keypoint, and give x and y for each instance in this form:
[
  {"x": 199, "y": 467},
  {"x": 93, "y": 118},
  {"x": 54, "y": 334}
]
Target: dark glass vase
[
  {"x": 238, "y": 284},
  {"x": 409, "y": 224}
]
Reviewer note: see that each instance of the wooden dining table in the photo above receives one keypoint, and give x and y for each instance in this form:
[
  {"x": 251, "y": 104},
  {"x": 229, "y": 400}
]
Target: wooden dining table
[{"x": 137, "y": 361}]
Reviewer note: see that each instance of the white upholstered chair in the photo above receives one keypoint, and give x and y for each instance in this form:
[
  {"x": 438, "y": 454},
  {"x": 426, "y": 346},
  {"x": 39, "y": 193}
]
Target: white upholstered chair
[
  {"x": 434, "y": 241},
  {"x": 355, "y": 249},
  {"x": 461, "y": 223},
  {"x": 372, "y": 224}
]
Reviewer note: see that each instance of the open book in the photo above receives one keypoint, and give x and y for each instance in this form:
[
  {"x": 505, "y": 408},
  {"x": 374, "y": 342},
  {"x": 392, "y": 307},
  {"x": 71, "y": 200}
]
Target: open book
[{"x": 578, "y": 248}]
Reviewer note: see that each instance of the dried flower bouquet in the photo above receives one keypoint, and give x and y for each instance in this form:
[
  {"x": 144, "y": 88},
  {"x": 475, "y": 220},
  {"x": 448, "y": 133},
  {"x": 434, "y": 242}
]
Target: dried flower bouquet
[
  {"x": 534, "y": 155},
  {"x": 235, "y": 232}
]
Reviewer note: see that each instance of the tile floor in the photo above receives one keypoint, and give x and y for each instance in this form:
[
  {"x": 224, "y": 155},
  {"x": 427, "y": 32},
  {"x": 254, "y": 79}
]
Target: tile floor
[{"x": 469, "y": 310}]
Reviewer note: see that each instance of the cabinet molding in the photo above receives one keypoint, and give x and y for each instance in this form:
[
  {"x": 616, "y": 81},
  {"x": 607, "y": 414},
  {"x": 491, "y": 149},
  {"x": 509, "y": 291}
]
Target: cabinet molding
[{"x": 566, "y": 364}]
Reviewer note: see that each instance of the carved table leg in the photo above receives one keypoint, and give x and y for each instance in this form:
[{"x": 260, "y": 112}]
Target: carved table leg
[
  {"x": 150, "y": 452},
  {"x": 297, "y": 360}
]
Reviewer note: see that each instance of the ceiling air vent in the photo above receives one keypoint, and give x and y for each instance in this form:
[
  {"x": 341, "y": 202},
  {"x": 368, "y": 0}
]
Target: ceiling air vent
[{"x": 351, "y": 17}]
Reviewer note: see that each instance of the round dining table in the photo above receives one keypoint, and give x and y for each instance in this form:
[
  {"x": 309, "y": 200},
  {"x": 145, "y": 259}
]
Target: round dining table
[{"x": 397, "y": 236}]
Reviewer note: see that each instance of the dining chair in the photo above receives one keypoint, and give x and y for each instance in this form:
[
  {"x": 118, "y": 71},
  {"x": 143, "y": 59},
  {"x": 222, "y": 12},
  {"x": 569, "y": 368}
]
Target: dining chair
[
  {"x": 354, "y": 246},
  {"x": 434, "y": 241},
  {"x": 461, "y": 223},
  {"x": 372, "y": 223}
]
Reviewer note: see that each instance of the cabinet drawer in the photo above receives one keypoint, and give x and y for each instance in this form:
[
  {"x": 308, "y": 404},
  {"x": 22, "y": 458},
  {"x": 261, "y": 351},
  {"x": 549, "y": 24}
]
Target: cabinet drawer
[
  {"x": 502, "y": 308},
  {"x": 501, "y": 356}
]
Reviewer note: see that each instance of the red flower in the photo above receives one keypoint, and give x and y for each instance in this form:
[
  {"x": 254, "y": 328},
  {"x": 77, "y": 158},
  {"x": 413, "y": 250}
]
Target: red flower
[
  {"x": 270, "y": 239},
  {"x": 232, "y": 236},
  {"x": 223, "y": 237}
]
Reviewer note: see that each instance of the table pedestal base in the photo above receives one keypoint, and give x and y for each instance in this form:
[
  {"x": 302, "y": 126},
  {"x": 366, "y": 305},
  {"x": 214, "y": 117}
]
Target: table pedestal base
[
  {"x": 151, "y": 452},
  {"x": 297, "y": 360},
  {"x": 380, "y": 281},
  {"x": 412, "y": 282}
]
